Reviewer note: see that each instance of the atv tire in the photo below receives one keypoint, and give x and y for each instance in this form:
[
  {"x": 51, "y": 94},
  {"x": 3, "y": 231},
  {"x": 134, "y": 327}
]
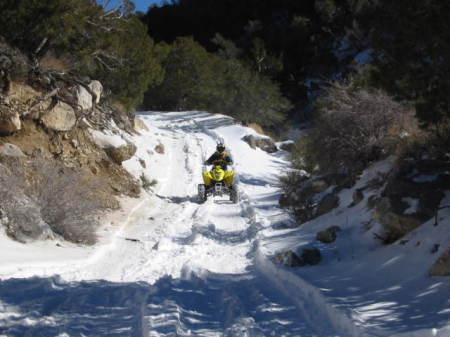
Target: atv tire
[
  {"x": 234, "y": 194},
  {"x": 201, "y": 196}
]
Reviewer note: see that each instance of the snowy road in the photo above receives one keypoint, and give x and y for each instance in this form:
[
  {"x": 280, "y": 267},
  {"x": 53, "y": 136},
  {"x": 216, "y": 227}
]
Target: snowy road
[
  {"x": 169, "y": 266},
  {"x": 176, "y": 267}
]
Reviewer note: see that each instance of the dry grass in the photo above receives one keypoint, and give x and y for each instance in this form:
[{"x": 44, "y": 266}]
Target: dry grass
[
  {"x": 49, "y": 61},
  {"x": 257, "y": 128}
]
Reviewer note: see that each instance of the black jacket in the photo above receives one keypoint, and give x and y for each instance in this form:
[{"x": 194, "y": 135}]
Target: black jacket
[{"x": 218, "y": 158}]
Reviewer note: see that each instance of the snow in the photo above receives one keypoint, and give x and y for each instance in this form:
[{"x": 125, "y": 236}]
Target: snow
[
  {"x": 105, "y": 140},
  {"x": 169, "y": 266}
]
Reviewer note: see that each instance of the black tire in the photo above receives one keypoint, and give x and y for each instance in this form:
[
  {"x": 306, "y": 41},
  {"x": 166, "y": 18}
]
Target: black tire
[
  {"x": 234, "y": 194},
  {"x": 201, "y": 195}
]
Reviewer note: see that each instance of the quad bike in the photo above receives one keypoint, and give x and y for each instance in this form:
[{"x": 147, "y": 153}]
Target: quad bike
[{"x": 218, "y": 182}]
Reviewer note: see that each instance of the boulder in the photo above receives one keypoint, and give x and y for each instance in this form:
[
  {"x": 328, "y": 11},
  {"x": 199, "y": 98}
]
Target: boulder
[
  {"x": 139, "y": 125},
  {"x": 84, "y": 98},
  {"x": 328, "y": 203},
  {"x": 9, "y": 120},
  {"x": 328, "y": 235},
  {"x": 121, "y": 153},
  {"x": 97, "y": 88},
  {"x": 160, "y": 149},
  {"x": 289, "y": 258},
  {"x": 61, "y": 118},
  {"x": 394, "y": 222},
  {"x": 309, "y": 256},
  {"x": 264, "y": 143},
  {"x": 11, "y": 150},
  {"x": 442, "y": 266}
]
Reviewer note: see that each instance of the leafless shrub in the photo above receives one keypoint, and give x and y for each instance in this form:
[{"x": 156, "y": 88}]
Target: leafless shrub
[
  {"x": 67, "y": 201},
  {"x": 298, "y": 201},
  {"x": 355, "y": 127}
]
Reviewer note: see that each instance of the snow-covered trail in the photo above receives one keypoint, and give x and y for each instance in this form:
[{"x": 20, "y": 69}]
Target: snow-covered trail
[{"x": 176, "y": 267}]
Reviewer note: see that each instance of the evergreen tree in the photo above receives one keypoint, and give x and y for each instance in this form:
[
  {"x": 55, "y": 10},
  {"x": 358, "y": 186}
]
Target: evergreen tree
[{"x": 411, "y": 41}]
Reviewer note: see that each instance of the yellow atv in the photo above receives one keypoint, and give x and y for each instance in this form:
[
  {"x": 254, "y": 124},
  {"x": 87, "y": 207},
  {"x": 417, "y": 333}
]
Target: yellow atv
[{"x": 218, "y": 182}]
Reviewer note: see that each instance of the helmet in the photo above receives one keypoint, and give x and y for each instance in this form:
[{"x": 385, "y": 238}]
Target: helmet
[{"x": 220, "y": 147}]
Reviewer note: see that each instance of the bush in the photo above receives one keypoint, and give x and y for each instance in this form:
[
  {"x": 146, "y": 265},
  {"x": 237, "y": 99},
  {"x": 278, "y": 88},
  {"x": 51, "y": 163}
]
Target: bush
[
  {"x": 354, "y": 127},
  {"x": 67, "y": 201},
  {"x": 59, "y": 196}
]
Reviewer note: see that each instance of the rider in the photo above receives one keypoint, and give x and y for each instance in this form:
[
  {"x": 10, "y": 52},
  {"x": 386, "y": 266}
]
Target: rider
[{"x": 220, "y": 157}]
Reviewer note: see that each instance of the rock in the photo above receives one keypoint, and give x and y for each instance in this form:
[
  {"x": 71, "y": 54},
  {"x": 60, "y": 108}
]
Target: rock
[
  {"x": 328, "y": 235},
  {"x": 287, "y": 146},
  {"x": 289, "y": 259},
  {"x": 442, "y": 266},
  {"x": 328, "y": 203},
  {"x": 121, "y": 153},
  {"x": 396, "y": 224},
  {"x": 265, "y": 144},
  {"x": 139, "y": 125},
  {"x": 60, "y": 118},
  {"x": 357, "y": 196},
  {"x": 9, "y": 120},
  {"x": 97, "y": 88},
  {"x": 84, "y": 98},
  {"x": 318, "y": 186},
  {"x": 309, "y": 256},
  {"x": 160, "y": 149},
  {"x": 11, "y": 150}
]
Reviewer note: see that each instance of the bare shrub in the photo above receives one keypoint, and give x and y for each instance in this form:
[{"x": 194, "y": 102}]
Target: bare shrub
[
  {"x": 355, "y": 127},
  {"x": 296, "y": 199},
  {"x": 67, "y": 201}
]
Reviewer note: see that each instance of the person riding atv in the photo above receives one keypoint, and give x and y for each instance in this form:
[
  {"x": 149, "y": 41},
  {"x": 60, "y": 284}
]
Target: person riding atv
[
  {"x": 219, "y": 180},
  {"x": 220, "y": 157}
]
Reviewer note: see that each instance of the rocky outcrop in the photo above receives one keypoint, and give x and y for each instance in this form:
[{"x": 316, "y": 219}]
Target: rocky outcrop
[
  {"x": 11, "y": 151},
  {"x": 60, "y": 118},
  {"x": 442, "y": 266},
  {"x": 264, "y": 143},
  {"x": 121, "y": 153},
  {"x": 328, "y": 235}
]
